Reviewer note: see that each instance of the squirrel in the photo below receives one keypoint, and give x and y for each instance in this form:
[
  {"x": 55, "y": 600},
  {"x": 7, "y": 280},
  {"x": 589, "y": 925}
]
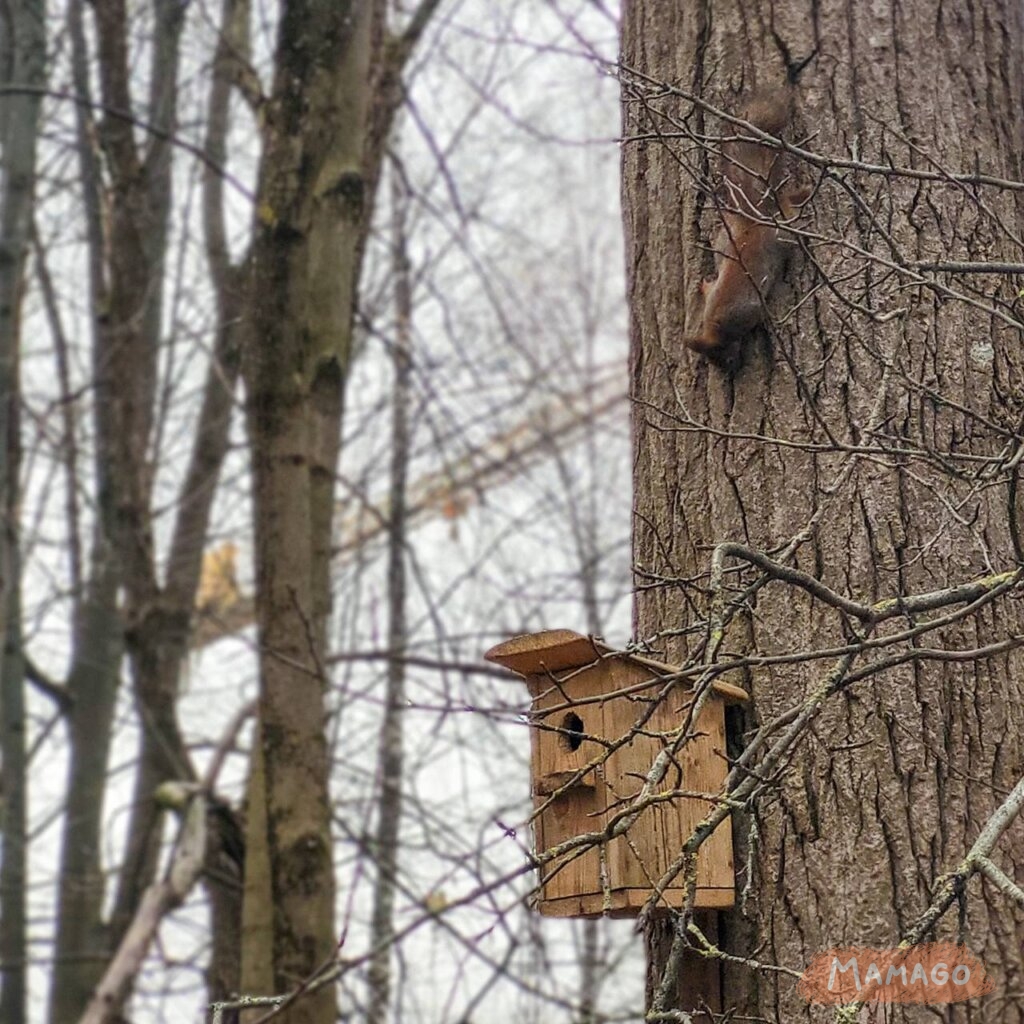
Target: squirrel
[{"x": 751, "y": 251}]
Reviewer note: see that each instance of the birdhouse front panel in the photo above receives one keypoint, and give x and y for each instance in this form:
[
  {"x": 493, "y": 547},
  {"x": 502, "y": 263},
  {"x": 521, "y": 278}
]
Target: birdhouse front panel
[
  {"x": 606, "y": 724},
  {"x": 566, "y": 720},
  {"x": 564, "y": 759}
]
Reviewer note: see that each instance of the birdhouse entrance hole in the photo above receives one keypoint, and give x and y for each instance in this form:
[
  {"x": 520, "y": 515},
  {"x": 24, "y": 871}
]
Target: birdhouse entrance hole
[
  {"x": 572, "y": 731},
  {"x": 602, "y": 718}
]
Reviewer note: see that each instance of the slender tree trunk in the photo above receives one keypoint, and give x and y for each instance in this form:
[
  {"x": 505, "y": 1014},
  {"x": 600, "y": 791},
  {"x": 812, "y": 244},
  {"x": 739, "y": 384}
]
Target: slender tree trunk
[
  {"x": 391, "y": 755},
  {"x": 22, "y": 63},
  {"x": 869, "y": 439},
  {"x": 121, "y": 292},
  {"x": 13, "y": 723},
  {"x": 128, "y": 342},
  {"x": 127, "y": 255},
  {"x": 14, "y": 866},
  {"x": 81, "y": 939}
]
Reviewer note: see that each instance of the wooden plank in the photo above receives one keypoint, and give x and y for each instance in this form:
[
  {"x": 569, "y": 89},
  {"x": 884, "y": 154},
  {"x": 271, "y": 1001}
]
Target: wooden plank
[
  {"x": 579, "y": 872},
  {"x": 628, "y": 902},
  {"x": 578, "y": 808},
  {"x": 641, "y": 857},
  {"x": 560, "y": 650},
  {"x": 553, "y": 650}
]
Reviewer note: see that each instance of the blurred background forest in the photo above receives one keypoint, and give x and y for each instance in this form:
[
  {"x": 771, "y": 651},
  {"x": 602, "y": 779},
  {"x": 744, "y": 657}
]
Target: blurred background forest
[{"x": 485, "y": 453}]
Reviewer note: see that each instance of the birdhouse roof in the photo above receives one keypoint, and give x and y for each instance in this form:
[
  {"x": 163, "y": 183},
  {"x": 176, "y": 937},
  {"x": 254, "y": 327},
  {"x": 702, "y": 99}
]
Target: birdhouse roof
[{"x": 561, "y": 650}]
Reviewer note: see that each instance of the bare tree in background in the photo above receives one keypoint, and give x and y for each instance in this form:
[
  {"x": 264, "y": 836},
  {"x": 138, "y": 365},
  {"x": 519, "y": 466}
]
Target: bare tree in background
[
  {"x": 835, "y": 521},
  {"x": 22, "y": 76},
  {"x": 126, "y": 184},
  {"x": 154, "y": 120},
  {"x": 391, "y": 755}
]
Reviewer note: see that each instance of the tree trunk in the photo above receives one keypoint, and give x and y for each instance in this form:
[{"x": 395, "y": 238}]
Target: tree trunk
[
  {"x": 310, "y": 208},
  {"x": 867, "y": 437},
  {"x": 336, "y": 88},
  {"x": 127, "y": 236},
  {"x": 22, "y": 63},
  {"x": 391, "y": 744}
]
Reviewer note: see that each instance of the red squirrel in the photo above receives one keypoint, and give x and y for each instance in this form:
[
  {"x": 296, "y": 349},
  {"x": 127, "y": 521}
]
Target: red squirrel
[{"x": 751, "y": 252}]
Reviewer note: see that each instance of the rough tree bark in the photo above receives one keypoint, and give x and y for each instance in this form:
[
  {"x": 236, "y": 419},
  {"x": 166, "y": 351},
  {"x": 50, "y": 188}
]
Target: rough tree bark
[
  {"x": 310, "y": 205},
  {"x": 336, "y": 87},
  {"x": 870, "y": 437}
]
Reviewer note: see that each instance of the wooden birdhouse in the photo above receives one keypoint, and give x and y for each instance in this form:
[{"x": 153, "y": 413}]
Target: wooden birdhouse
[{"x": 600, "y": 719}]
